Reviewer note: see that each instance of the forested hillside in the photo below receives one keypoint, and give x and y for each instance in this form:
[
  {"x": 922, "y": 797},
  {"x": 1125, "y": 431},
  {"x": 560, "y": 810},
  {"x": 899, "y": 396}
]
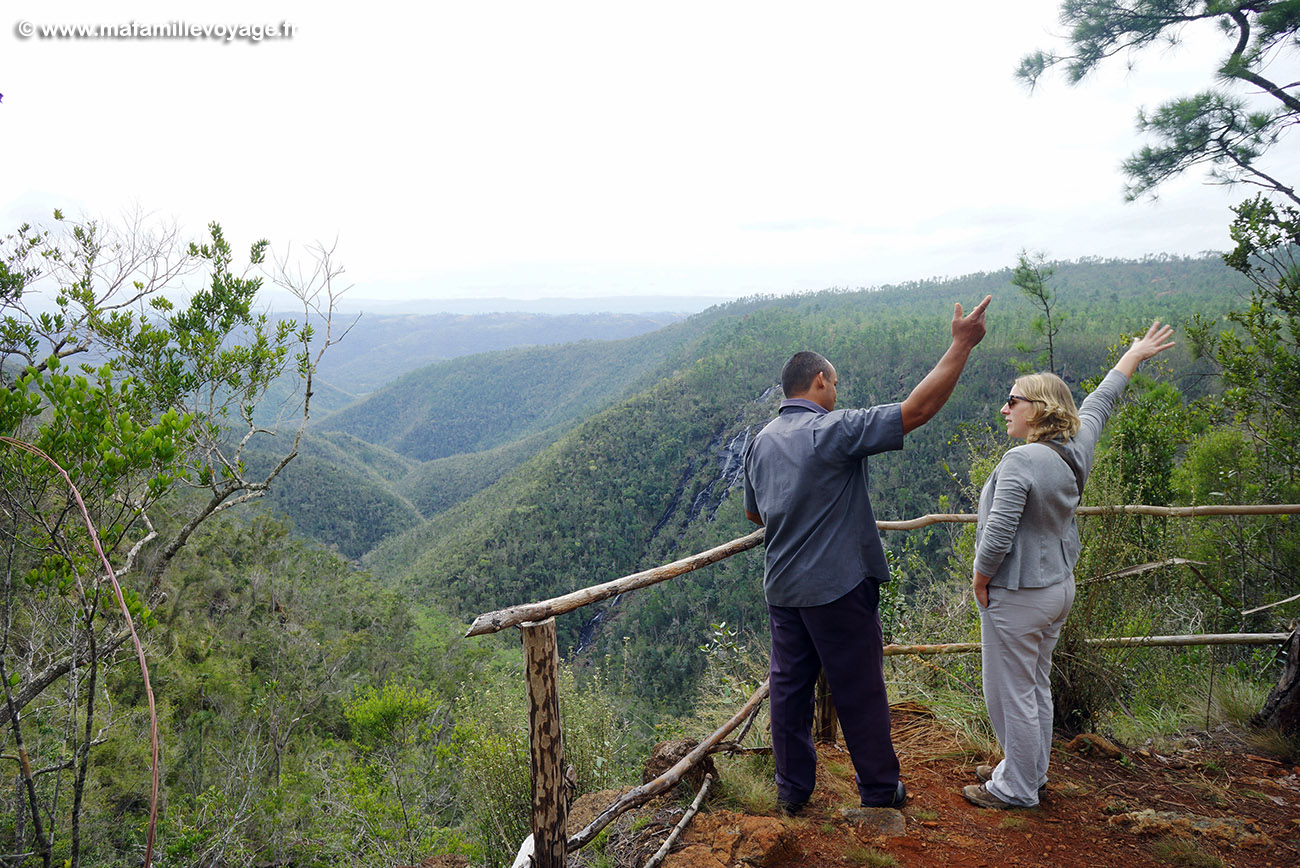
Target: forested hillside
[
  {"x": 438, "y": 435},
  {"x": 654, "y": 476},
  {"x": 478, "y": 402}
]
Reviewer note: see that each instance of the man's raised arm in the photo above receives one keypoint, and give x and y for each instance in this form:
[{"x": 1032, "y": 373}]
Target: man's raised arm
[{"x": 929, "y": 395}]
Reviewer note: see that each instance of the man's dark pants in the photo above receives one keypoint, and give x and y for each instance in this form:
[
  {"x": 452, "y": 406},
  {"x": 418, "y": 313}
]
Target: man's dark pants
[{"x": 844, "y": 638}]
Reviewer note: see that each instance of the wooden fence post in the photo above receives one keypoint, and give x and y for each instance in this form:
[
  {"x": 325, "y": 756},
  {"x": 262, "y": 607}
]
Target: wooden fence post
[
  {"x": 825, "y": 723},
  {"x": 546, "y": 744}
]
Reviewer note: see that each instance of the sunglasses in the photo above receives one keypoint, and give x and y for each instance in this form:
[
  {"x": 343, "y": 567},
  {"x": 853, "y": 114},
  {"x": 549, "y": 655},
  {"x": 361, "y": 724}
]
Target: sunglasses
[{"x": 1013, "y": 400}]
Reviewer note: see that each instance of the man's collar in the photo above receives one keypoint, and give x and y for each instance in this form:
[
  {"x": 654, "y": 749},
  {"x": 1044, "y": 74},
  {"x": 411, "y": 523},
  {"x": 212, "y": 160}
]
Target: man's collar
[{"x": 802, "y": 403}]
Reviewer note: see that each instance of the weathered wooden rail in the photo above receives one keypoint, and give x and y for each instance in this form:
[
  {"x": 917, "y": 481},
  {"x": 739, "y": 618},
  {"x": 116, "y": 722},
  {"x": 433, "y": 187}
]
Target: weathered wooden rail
[{"x": 536, "y": 623}]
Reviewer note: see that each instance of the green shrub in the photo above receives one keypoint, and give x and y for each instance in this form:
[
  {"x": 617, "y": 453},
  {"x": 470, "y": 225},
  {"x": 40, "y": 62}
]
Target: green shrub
[{"x": 491, "y": 741}]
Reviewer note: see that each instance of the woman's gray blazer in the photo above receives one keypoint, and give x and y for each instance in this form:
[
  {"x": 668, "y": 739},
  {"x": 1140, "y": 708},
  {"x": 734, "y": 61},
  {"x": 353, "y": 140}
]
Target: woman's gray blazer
[{"x": 1026, "y": 536}]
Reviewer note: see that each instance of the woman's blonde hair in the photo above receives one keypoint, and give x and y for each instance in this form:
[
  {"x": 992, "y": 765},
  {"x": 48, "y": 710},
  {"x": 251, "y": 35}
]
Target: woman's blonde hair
[{"x": 1054, "y": 414}]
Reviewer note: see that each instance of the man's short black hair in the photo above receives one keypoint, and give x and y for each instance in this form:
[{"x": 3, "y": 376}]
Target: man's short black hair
[{"x": 798, "y": 374}]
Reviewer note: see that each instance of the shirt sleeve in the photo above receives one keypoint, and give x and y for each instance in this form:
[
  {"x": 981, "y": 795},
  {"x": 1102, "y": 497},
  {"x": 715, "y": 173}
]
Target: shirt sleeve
[
  {"x": 999, "y": 531},
  {"x": 859, "y": 433}
]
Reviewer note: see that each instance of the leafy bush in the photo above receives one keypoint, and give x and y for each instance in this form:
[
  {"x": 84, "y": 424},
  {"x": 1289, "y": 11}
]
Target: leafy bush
[{"x": 491, "y": 741}]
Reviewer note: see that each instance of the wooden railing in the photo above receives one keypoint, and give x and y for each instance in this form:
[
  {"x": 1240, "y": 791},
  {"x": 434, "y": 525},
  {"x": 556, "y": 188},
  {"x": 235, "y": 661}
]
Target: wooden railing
[{"x": 536, "y": 623}]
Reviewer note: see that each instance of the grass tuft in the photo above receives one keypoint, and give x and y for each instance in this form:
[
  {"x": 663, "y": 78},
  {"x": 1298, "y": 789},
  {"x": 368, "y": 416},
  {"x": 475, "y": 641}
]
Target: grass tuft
[
  {"x": 1185, "y": 853},
  {"x": 1231, "y": 700},
  {"x": 861, "y": 854},
  {"x": 1270, "y": 742},
  {"x": 747, "y": 783}
]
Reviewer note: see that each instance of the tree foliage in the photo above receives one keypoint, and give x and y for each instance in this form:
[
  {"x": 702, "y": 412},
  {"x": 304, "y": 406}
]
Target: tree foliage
[
  {"x": 151, "y": 427},
  {"x": 1219, "y": 128},
  {"x": 1256, "y": 350},
  {"x": 1031, "y": 276}
]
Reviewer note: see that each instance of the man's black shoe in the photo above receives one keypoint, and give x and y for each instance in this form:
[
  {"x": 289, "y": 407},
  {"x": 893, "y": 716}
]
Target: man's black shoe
[
  {"x": 899, "y": 799},
  {"x": 792, "y": 809}
]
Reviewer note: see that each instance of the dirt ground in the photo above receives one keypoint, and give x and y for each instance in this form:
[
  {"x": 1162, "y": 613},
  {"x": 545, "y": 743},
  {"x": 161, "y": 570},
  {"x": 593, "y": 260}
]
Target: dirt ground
[{"x": 1212, "y": 802}]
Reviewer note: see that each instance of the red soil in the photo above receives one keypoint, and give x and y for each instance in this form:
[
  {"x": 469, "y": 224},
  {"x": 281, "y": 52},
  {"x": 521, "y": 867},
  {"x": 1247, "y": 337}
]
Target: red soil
[{"x": 1212, "y": 798}]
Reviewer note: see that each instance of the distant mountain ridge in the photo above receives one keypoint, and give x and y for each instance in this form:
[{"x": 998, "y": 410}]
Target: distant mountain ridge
[
  {"x": 379, "y": 348},
  {"x": 650, "y": 305}
]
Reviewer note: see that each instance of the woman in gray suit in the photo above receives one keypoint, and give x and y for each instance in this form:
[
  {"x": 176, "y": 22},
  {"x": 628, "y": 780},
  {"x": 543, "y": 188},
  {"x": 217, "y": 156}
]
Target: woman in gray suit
[{"x": 1026, "y": 546}]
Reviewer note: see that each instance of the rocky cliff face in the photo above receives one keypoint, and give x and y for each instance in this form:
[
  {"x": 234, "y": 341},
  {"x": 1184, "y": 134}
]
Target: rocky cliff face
[{"x": 720, "y": 467}]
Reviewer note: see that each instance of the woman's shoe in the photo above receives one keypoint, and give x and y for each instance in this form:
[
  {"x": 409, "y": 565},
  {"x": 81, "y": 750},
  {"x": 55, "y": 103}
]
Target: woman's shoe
[
  {"x": 984, "y": 774},
  {"x": 978, "y": 794}
]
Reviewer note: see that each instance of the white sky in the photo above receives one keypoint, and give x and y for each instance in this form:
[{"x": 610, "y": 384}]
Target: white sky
[{"x": 562, "y": 148}]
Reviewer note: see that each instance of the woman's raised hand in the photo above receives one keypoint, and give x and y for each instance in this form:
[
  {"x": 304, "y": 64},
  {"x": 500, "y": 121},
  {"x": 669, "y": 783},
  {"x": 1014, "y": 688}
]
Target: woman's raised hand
[{"x": 1156, "y": 340}]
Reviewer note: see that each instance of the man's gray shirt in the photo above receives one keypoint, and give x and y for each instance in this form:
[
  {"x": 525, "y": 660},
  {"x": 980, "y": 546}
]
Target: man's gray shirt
[{"x": 806, "y": 477}]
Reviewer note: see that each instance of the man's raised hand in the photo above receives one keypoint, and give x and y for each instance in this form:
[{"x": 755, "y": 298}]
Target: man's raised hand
[{"x": 969, "y": 329}]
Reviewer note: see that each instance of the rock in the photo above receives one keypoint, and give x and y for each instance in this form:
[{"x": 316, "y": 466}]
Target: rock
[
  {"x": 667, "y": 754},
  {"x": 724, "y": 840},
  {"x": 888, "y": 822},
  {"x": 694, "y": 856},
  {"x": 1228, "y": 830},
  {"x": 588, "y": 807},
  {"x": 1091, "y": 743}
]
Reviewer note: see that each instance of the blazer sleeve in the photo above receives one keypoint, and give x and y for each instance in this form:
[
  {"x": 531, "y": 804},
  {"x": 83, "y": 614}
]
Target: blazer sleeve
[
  {"x": 1011, "y": 490},
  {"x": 1095, "y": 411}
]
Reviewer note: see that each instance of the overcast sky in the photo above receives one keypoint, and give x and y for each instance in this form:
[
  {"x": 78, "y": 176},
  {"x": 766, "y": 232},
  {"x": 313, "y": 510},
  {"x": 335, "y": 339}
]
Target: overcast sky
[{"x": 557, "y": 148}]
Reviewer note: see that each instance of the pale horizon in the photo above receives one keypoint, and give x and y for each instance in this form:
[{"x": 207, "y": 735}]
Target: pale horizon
[{"x": 596, "y": 150}]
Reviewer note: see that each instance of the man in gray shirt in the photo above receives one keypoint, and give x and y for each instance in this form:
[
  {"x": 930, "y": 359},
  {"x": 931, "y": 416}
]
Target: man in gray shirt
[{"x": 806, "y": 483}]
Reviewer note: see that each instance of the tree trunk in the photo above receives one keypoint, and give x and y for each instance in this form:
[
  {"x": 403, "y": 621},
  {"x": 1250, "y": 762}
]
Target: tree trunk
[
  {"x": 83, "y": 757},
  {"x": 1281, "y": 710},
  {"x": 546, "y": 745},
  {"x": 25, "y": 768}
]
